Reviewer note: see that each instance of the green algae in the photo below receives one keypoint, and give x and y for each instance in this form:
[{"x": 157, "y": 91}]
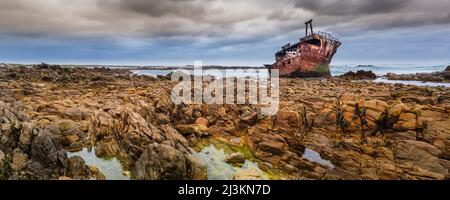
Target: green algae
[
  {"x": 322, "y": 69},
  {"x": 213, "y": 151}
]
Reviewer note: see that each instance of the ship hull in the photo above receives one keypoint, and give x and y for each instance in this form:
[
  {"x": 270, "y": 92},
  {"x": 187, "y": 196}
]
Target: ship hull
[{"x": 305, "y": 66}]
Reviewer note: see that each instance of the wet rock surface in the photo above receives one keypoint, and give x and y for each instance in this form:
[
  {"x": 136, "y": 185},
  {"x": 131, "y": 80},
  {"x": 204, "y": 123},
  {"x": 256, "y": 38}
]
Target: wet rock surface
[
  {"x": 359, "y": 130},
  {"x": 235, "y": 158}
]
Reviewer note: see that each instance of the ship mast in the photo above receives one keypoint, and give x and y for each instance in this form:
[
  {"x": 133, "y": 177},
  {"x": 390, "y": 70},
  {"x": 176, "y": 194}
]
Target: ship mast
[{"x": 309, "y": 23}]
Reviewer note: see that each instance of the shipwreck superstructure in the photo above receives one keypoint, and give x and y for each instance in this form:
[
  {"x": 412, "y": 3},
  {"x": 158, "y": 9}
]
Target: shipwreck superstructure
[{"x": 310, "y": 57}]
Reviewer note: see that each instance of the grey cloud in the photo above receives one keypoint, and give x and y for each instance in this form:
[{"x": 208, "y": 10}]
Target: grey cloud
[
  {"x": 348, "y": 16},
  {"x": 228, "y": 20},
  {"x": 159, "y": 8},
  {"x": 351, "y": 7}
]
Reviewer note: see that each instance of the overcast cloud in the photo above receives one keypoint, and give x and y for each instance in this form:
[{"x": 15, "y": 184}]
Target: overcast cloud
[{"x": 223, "y": 31}]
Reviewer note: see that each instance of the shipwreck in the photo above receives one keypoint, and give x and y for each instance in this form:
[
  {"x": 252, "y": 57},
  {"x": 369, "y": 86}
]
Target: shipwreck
[{"x": 310, "y": 57}]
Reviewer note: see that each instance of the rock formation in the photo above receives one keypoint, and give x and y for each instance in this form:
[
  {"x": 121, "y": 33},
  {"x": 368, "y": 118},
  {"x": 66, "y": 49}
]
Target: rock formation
[
  {"x": 443, "y": 76},
  {"x": 364, "y": 130},
  {"x": 359, "y": 75}
]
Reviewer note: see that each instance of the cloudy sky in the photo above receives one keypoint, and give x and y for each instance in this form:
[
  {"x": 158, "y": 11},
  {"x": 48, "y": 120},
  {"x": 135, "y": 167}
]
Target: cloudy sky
[{"x": 229, "y": 32}]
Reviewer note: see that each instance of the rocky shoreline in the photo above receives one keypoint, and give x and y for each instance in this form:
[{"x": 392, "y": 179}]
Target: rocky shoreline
[
  {"x": 440, "y": 77},
  {"x": 366, "y": 130}
]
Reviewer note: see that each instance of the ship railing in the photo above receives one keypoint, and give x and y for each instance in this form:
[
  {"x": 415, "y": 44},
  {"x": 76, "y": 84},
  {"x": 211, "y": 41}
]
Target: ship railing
[{"x": 328, "y": 36}]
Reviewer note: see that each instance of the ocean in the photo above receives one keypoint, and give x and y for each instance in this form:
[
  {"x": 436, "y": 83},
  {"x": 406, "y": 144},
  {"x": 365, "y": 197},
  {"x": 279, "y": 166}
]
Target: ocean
[{"x": 337, "y": 70}]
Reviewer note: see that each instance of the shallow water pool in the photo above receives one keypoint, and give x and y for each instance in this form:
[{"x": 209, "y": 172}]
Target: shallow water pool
[
  {"x": 217, "y": 168},
  {"x": 111, "y": 168},
  {"x": 313, "y": 156}
]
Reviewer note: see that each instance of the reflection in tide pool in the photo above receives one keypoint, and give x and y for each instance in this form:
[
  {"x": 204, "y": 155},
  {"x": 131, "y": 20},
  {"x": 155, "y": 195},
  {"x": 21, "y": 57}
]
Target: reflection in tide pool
[
  {"x": 218, "y": 169},
  {"x": 313, "y": 156},
  {"x": 111, "y": 168}
]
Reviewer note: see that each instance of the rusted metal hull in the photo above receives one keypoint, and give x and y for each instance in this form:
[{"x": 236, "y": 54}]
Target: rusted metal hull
[{"x": 310, "y": 57}]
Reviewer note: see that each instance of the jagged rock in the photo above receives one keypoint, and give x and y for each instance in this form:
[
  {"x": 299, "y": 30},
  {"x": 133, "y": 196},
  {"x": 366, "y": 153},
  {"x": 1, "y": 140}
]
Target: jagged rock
[
  {"x": 408, "y": 135},
  {"x": 285, "y": 119},
  {"x": 275, "y": 148},
  {"x": 248, "y": 174},
  {"x": 45, "y": 149},
  {"x": 95, "y": 173},
  {"x": 64, "y": 178},
  {"x": 162, "y": 118},
  {"x": 235, "y": 158},
  {"x": 121, "y": 115},
  {"x": 70, "y": 139},
  {"x": 2, "y": 158},
  {"x": 202, "y": 121},
  {"x": 397, "y": 109},
  {"x": 107, "y": 148},
  {"x": 250, "y": 118},
  {"x": 18, "y": 160},
  {"x": 160, "y": 161},
  {"x": 353, "y": 108},
  {"x": 134, "y": 129},
  {"x": 440, "y": 76},
  {"x": 375, "y": 108},
  {"x": 320, "y": 170},
  {"x": 360, "y": 74},
  {"x": 67, "y": 125},
  {"x": 134, "y": 133},
  {"x": 78, "y": 113},
  {"x": 340, "y": 174},
  {"x": 143, "y": 141},
  {"x": 407, "y": 121},
  {"x": 289, "y": 168},
  {"x": 77, "y": 169},
  {"x": 101, "y": 124},
  {"x": 26, "y": 135},
  {"x": 422, "y": 146},
  {"x": 85, "y": 126},
  {"x": 197, "y": 130},
  {"x": 131, "y": 130},
  {"x": 419, "y": 159},
  {"x": 375, "y": 111},
  {"x": 126, "y": 173},
  {"x": 196, "y": 169},
  {"x": 172, "y": 136}
]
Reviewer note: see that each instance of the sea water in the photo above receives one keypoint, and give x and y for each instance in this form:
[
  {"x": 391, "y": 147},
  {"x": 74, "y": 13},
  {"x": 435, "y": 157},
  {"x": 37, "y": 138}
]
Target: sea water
[{"x": 336, "y": 70}]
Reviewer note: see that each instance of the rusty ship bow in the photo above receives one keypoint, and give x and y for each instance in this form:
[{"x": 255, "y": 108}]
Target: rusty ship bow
[{"x": 310, "y": 57}]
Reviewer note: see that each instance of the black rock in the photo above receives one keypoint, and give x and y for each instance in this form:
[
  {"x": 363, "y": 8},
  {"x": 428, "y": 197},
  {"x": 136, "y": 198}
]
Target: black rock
[
  {"x": 359, "y": 75},
  {"x": 44, "y": 149}
]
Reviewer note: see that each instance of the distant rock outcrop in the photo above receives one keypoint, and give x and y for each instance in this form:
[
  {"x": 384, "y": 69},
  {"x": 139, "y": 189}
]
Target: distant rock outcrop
[
  {"x": 359, "y": 75},
  {"x": 443, "y": 76}
]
